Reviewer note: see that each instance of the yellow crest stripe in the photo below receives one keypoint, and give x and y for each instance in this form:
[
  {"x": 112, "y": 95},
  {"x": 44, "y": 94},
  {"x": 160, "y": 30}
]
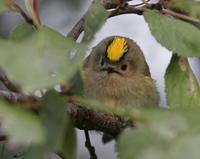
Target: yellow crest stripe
[{"x": 117, "y": 49}]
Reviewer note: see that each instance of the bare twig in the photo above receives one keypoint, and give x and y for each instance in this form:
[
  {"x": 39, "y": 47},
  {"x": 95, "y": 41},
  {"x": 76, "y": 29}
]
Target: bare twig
[
  {"x": 79, "y": 26},
  {"x": 179, "y": 15},
  {"x": 19, "y": 98},
  {"x": 140, "y": 4},
  {"x": 128, "y": 9},
  {"x": 10, "y": 85},
  {"x": 13, "y": 5},
  {"x": 91, "y": 149},
  {"x": 110, "y": 4}
]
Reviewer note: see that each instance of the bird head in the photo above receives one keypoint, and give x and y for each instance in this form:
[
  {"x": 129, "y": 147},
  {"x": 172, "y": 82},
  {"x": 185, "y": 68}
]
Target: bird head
[{"x": 117, "y": 57}]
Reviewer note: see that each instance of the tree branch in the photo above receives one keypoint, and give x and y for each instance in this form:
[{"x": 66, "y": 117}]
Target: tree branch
[
  {"x": 120, "y": 9},
  {"x": 83, "y": 118},
  {"x": 90, "y": 119},
  {"x": 10, "y": 85},
  {"x": 79, "y": 26},
  {"x": 18, "y": 98},
  {"x": 110, "y": 4},
  {"x": 180, "y": 16},
  {"x": 129, "y": 10}
]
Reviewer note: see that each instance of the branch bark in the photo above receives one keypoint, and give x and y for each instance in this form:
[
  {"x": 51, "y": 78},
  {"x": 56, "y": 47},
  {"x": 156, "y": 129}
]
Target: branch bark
[
  {"x": 18, "y": 98},
  {"x": 78, "y": 28},
  {"x": 110, "y": 4},
  {"x": 89, "y": 119},
  {"x": 10, "y": 85}
]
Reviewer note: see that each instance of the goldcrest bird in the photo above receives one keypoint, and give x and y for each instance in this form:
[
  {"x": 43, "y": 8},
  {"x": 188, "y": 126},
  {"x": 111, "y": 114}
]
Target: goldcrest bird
[{"x": 117, "y": 74}]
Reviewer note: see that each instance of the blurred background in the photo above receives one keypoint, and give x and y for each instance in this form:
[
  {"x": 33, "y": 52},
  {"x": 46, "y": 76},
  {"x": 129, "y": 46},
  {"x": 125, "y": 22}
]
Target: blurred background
[{"x": 62, "y": 15}]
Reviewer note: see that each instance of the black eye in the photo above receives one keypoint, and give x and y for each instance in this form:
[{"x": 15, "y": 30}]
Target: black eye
[
  {"x": 102, "y": 62},
  {"x": 124, "y": 67}
]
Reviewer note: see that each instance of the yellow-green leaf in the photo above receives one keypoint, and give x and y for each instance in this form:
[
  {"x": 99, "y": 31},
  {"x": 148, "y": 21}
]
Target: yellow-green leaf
[
  {"x": 178, "y": 36},
  {"x": 95, "y": 19},
  {"x": 21, "y": 126},
  {"x": 182, "y": 88},
  {"x": 42, "y": 60}
]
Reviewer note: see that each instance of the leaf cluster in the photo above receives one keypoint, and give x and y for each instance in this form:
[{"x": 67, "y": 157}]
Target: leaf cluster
[{"x": 38, "y": 59}]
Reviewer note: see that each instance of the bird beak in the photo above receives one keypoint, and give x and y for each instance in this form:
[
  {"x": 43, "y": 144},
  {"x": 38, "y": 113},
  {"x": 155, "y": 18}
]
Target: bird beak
[{"x": 110, "y": 69}]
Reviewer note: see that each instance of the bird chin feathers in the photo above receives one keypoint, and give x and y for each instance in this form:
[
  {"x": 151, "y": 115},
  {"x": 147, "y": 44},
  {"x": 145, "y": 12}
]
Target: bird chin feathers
[{"x": 120, "y": 89}]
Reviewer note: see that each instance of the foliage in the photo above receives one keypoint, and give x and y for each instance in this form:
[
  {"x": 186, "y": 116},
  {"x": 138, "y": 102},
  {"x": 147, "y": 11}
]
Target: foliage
[
  {"x": 185, "y": 81},
  {"x": 58, "y": 129},
  {"x": 92, "y": 23},
  {"x": 16, "y": 123},
  {"x": 47, "y": 54},
  {"x": 39, "y": 58},
  {"x": 169, "y": 32},
  {"x": 165, "y": 135},
  {"x": 189, "y": 6},
  {"x": 3, "y": 7}
]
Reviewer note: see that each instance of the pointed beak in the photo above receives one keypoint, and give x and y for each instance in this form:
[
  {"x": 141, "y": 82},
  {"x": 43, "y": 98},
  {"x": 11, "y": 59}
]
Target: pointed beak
[{"x": 110, "y": 70}]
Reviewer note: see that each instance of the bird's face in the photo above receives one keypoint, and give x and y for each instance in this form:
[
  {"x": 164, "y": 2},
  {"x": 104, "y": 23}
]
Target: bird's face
[
  {"x": 117, "y": 58},
  {"x": 116, "y": 73}
]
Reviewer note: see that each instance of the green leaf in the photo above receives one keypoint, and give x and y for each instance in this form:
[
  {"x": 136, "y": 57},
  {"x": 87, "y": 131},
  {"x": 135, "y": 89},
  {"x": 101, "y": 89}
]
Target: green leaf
[
  {"x": 189, "y": 6},
  {"x": 135, "y": 143},
  {"x": 67, "y": 145},
  {"x": 147, "y": 143},
  {"x": 162, "y": 135},
  {"x": 60, "y": 131},
  {"x": 186, "y": 147},
  {"x": 154, "y": 138},
  {"x": 21, "y": 32},
  {"x": 182, "y": 88},
  {"x": 21, "y": 126},
  {"x": 176, "y": 35},
  {"x": 95, "y": 19},
  {"x": 41, "y": 61},
  {"x": 3, "y": 6},
  {"x": 191, "y": 114},
  {"x": 34, "y": 152}
]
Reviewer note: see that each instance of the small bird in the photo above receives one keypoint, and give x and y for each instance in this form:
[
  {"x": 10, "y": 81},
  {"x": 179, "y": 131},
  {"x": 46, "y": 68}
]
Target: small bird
[{"x": 116, "y": 74}]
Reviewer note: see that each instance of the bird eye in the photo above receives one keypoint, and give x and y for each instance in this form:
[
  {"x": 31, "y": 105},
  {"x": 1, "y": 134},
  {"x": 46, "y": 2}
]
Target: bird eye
[
  {"x": 102, "y": 62},
  {"x": 124, "y": 67}
]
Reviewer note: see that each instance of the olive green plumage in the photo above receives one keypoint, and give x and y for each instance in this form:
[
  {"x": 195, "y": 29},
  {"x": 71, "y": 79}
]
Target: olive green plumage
[{"x": 119, "y": 83}]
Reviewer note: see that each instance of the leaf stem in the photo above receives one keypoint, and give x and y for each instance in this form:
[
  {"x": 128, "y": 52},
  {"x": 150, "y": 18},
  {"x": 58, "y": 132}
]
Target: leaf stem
[
  {"x": 32, "y": 13},
  {"x": 36, "y": 11},
  {"x": 14, "y": 6}
]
